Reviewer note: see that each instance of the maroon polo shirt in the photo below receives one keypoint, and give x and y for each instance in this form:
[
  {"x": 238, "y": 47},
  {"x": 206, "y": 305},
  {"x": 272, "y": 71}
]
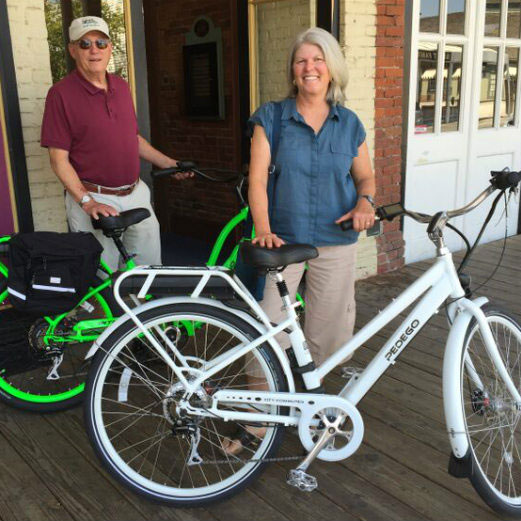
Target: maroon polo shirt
[{"x": 98, "y": 128}]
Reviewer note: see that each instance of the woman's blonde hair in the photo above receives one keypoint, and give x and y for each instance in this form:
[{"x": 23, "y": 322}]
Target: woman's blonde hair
[{"x": 334, "y": 60}]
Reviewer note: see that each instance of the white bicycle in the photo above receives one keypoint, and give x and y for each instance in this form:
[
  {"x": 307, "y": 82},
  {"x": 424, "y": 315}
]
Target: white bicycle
[{"x": 173, "y": 378}]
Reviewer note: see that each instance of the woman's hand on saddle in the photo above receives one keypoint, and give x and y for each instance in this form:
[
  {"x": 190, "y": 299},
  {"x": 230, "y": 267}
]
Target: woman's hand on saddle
[
  {"x": 362, "y": 215},
  {"x": 268, "y": 240}
]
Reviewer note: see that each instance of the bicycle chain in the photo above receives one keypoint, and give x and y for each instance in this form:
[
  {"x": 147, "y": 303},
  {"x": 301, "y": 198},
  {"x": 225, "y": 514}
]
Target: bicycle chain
[{"x": 239, "y": 460}]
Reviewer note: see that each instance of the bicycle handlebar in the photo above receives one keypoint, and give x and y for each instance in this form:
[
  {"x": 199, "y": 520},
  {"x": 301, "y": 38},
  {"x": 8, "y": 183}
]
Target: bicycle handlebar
[
  {"x": 190, "y": 166},
  {"x": 501, "y": 180}
]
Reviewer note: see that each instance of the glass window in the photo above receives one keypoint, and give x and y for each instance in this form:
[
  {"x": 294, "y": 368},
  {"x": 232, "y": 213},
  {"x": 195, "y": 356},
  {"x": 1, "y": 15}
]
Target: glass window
[
  {"x": 492, "y": 17},
  {"x": 112, "y": 11},
  {"x": 488, "y": 87},
  {"x": 514, "y": 19},
  {"x": 450, "y": 109},
  {"x": 456, "y": 16},
  {"x": 508, "y": 97},
  {"x": 426, "y": 87},
  {"x": 430, "y": 16}
]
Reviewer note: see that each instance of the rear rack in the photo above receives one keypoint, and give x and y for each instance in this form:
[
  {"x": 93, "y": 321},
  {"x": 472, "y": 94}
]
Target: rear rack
[{"x": 205, "y": 281}]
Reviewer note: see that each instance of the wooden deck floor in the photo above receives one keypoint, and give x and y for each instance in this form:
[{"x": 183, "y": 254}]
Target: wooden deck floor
[{"x": 48, "y": 470}]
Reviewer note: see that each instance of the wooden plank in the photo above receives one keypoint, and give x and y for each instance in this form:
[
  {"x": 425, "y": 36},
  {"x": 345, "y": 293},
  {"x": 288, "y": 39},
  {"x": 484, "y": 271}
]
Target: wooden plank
[
  {"x": 69, "y": 476},
  {"x": 72, "y": 431},
  {"x": 359, "y": 496},
  {"x": 428, "y": 498},
  {"x": 24, "y": 494}
]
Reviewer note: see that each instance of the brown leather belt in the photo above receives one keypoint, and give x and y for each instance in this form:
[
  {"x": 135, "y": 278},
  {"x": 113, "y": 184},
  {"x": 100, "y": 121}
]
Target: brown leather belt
[{"x": 98, "y": 189}]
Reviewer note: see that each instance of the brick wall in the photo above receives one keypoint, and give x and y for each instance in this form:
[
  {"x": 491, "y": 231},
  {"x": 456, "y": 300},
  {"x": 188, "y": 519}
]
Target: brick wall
[
  {"x": 388, "y": 127},
  {"x": 193, "y": 207},
  {"x": 33, "y": 76}
]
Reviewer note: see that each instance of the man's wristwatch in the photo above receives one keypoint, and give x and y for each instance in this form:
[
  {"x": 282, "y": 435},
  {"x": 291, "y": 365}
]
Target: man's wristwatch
[
  {"x": 85, "y": 199},
  {"x": 369, "y": 198}
]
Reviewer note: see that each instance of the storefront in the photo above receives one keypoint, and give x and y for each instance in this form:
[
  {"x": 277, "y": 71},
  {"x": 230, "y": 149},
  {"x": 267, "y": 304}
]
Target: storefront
[
  {"x": 463, "y": 112},
  {"x": 197, "y": 70}
]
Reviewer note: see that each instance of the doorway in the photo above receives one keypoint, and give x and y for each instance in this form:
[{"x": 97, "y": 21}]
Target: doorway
[{"x": 463, "y": 112}]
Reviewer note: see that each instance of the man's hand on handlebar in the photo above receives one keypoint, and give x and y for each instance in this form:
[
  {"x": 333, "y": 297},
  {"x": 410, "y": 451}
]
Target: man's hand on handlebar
[
  {"x": 182, "y": 175},
  {"x": 178, "y": 176},
  {"x": 95, "y": 209}
]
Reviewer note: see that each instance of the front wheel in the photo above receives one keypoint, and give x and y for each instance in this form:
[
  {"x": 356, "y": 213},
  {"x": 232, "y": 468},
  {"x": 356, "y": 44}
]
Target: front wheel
[
  {"x": 492, "y": 417},
  {"x": 151, "y": 444}
]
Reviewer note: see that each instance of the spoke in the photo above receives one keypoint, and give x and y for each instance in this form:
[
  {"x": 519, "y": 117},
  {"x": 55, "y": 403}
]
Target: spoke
[
  {"x": 131, "y": 424},
  {"x": 141, "y": 411},
  {"x": 160, "y": 437}
]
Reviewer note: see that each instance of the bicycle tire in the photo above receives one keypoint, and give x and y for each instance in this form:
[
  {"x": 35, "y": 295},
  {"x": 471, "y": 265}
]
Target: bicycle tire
[
  {"x": 491, "y": 416},
  {"x": 117, "y": 435},
  {"x": 24, "y": 371}
]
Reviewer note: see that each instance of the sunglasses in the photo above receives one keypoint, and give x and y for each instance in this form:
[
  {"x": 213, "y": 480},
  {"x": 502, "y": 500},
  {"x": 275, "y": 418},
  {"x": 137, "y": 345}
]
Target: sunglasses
[{"x": 101, "y": 43}]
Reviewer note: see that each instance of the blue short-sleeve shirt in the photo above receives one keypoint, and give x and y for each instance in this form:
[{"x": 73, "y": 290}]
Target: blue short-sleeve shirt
[{"x": 314, "y": 186}]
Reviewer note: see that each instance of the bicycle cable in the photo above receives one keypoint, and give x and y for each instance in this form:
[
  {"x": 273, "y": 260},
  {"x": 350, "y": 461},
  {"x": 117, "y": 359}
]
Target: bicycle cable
[{"x": 470, "y": 250}]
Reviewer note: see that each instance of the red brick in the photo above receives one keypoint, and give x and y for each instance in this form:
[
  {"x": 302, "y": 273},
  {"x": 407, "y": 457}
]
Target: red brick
[
  {"x": 393, "y": 10},
  {"x": 382, "y": 20},
  {"x": 394, "y": 31},
  {"x": 385, "y": 61}
]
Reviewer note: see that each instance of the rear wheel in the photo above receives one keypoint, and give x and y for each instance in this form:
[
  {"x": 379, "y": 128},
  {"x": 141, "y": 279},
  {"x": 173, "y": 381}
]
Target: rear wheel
[
  {"x": 38, "y": 371},
  {"x": 491, "y": 414},
  {"x": 154, "y": 445}
]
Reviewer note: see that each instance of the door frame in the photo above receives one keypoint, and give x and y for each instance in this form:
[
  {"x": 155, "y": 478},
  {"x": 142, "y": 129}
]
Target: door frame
[{"x": 13, "y": 136}]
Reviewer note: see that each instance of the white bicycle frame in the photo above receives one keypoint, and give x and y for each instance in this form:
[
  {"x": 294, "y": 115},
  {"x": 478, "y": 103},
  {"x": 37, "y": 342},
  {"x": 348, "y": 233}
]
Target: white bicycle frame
[{"x": 437, "y": 284}]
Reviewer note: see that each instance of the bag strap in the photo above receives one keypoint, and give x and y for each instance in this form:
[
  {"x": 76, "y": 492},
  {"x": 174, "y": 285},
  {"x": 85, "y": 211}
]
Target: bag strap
[
  {"x": 272, "y": 169},
  {"x": 275, "y": 134}
]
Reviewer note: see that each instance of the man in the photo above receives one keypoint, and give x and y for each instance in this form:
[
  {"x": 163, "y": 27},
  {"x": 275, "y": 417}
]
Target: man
[{"x": 90, "y": 128}]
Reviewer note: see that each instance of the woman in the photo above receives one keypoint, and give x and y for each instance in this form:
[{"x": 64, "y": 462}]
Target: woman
[{"x": 324, "y": 177}]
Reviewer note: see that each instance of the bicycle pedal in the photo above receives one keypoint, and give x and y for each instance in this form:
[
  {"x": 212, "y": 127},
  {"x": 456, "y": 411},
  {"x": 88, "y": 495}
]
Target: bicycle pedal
[{"x": 301, "y": 480}]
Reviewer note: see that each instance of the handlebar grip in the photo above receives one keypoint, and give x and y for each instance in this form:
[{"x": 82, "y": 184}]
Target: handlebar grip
[
  {"x": 186, "y": 166},
  {"x": 164, "y": 172},
  {"x": 346, "y": 225},
  {"x": 182, "y": 166}
]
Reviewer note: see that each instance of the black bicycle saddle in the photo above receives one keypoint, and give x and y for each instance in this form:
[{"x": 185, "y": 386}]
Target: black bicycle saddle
[
  {"x": 265, "y": 258},
  {"x": 121, "y": 221}
]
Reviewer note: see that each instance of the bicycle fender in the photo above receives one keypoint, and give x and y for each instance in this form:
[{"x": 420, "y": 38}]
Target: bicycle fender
[
  {"x": 279, "y": 352},
  {"x": 452, "y": 361}
]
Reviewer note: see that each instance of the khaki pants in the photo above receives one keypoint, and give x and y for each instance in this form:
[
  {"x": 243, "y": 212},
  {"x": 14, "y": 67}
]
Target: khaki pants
[
  {"x": 330, "y": 301},
  {"x": 142, "y": 239}
]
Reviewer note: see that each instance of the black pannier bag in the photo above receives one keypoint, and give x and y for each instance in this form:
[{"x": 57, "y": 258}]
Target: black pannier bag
[{"x": 50, "y": 272}]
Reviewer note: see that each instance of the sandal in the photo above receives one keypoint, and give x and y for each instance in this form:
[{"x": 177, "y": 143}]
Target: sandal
[{"x": 239, "y": 440}]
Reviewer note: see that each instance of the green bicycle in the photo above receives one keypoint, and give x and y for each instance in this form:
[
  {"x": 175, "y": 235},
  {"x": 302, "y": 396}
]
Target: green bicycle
[{"x": 42, "y": 366}]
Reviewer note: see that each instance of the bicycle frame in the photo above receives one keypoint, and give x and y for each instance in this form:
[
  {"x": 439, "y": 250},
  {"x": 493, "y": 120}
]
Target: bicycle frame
[{"x": 437, "y": 284}]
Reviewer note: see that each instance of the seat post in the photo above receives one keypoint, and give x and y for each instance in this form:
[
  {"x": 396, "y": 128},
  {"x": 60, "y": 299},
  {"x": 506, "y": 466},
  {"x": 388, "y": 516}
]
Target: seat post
[
  {"x": 121, "y": 248},
  {"x": 283, "y": 289}
]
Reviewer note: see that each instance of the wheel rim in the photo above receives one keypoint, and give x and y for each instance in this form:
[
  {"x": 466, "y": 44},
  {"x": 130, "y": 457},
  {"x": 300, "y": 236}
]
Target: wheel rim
[
  {"x": 491, "y": 415},
  {"x": 139, "y": 443},
  {"x": 24, "y": 374}
]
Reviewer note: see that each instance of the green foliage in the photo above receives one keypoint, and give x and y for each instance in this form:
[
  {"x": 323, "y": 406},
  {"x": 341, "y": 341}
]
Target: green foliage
[
  {"x": 53, "y": 20},
  {"x": 111, "y": 13}
]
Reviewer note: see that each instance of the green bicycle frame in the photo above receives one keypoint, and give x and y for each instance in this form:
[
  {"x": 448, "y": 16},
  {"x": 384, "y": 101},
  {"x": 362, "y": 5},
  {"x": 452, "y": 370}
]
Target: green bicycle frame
[{"x": 232, "y": 259}]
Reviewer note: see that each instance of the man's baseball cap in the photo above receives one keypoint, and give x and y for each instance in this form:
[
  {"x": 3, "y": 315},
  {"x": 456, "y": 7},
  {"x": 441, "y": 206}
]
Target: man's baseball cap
[{"x": 85, "y": 24}]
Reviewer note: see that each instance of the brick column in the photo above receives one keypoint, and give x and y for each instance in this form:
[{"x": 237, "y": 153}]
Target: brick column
[{"x": 388, "y": 124}]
